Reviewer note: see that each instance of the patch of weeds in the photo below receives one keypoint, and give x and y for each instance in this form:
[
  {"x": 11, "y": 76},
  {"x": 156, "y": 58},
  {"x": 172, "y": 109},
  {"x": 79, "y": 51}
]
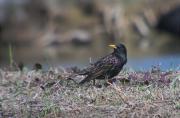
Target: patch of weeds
[
  {"x": 47, "y": 92},
  {"x": 141, "y": 88},
  {"x": 148, "y": 95},
  {"x": 18, "y": 88},
  {"x": 175, "y": 82},
  {"x": 177, "y": 105},
  {"x": 49, "y": 107},
  {"x": 45, "y": 111}
]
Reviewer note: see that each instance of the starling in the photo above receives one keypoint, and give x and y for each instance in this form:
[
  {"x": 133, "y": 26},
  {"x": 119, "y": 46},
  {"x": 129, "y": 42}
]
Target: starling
[{"x": 107, "y": 67}]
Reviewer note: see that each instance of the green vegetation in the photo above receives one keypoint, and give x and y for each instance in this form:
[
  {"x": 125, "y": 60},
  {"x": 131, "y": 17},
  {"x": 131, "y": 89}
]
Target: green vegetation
[{"x": 10, "y": 54}]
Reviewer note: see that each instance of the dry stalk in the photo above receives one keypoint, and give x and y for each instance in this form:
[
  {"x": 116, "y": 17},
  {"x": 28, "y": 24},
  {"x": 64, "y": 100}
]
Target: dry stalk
[{"x": 122, "y": 97}]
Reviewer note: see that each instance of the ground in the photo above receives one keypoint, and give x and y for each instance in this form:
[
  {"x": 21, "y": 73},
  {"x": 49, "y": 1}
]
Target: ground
[{"x": 51, "y": 94}]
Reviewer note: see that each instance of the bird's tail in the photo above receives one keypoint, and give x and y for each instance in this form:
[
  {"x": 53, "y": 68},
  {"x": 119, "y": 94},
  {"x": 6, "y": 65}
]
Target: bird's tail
[
  {"x": 87, "y": 79},
  {"x": 81, "y": 72}
]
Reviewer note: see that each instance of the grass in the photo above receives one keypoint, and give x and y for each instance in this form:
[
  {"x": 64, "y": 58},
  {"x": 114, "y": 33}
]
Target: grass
[
  {"x": 10, "y": 54},
  {"x": 50, "y": 94}
]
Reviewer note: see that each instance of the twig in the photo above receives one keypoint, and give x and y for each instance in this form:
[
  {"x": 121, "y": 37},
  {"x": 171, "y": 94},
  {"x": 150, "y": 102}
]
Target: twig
[{"x": 119, "y": 93}]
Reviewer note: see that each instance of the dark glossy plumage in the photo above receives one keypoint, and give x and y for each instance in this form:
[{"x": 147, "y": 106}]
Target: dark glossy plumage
[{"x": 107, "y": 67}]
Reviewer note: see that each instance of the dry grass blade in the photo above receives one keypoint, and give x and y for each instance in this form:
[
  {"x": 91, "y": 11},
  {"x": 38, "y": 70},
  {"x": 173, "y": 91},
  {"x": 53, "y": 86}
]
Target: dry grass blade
[{"x": 122, "y": 97}]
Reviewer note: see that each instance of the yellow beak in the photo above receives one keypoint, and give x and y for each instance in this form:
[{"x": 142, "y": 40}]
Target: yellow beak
[{"x": 113, "y": 46}]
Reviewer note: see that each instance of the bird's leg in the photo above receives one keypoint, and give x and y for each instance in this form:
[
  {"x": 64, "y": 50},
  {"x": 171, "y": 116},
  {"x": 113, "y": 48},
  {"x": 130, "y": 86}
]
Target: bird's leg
[
  {"x": 106, "y": 81},
  {"x": 94, "y": 82},
  {"x": 106, "y": 78},
  {"x": 112, "y": 80}
]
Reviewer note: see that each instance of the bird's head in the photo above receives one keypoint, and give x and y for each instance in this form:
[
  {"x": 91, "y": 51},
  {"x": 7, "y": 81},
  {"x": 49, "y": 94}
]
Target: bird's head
[{"x": 120, "y": 51}]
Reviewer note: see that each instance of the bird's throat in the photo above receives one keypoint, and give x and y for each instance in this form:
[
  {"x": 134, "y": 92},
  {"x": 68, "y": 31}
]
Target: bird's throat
[{"x": 121, "y": 56}]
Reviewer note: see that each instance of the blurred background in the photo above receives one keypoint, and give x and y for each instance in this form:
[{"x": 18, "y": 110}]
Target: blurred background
[{"x": 68, "y": 32}]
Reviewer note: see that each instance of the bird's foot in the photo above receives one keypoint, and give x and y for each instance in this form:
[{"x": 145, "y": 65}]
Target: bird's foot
[{"x": 109, "y": 82}]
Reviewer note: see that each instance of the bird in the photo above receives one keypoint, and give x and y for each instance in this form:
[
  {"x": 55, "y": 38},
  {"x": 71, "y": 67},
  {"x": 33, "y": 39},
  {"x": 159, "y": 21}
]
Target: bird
[{"x": 106, "y": 67}]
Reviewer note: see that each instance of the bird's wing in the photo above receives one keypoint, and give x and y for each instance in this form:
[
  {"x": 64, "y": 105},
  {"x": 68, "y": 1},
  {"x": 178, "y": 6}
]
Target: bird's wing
[
  {"x": 101, "y": 69},
  {"x": 86, "y": 70},
  {"x": 97, "y": 71},
  {"x": 98, "y": 68}
]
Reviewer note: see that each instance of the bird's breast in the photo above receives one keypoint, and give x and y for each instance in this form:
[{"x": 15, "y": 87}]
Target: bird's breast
[{"x": 116, "y": 61}]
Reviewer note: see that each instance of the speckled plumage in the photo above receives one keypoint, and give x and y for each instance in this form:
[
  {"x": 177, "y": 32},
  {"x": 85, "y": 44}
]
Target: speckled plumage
[{"x": 107, "y": 67}]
